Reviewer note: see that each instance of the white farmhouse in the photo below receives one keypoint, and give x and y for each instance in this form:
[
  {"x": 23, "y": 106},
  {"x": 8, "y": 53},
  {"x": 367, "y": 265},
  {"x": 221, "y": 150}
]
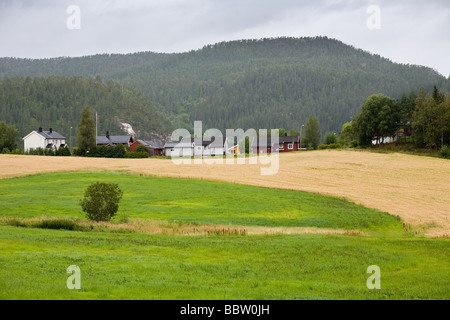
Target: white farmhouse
[
  {"x": 205, "y": 147},
  {"x": 43, "y": 139}
]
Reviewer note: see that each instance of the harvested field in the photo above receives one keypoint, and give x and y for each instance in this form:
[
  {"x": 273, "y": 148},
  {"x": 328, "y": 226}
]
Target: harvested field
[{"x": 413, "y": 187}]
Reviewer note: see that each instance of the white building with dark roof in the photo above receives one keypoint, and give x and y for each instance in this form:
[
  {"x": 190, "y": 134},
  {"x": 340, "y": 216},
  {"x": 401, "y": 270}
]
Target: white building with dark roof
[
  {"x": 43, "y": 139},
  {"x": 205, "y": 147}
]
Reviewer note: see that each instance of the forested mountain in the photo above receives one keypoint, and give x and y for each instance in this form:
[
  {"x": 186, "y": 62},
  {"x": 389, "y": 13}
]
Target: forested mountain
[
  {"x": 56, "y": 102},
  {"x": 267, "y": 83}
]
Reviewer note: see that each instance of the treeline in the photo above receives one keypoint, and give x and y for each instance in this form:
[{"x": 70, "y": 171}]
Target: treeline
[
  {"x": 267, "y": 83},
  {"x": 423, "y": 118},
  {"x": 56, "y": 102}
]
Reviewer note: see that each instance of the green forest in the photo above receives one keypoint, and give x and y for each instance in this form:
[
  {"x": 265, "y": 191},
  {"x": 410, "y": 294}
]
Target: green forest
[
  {"x": 56, "y": 102},
  {"x": 266, "y": 83}
]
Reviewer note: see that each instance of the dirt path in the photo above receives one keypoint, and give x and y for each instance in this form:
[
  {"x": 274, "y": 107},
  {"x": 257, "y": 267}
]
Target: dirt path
[{"x": 415, "y": 188}]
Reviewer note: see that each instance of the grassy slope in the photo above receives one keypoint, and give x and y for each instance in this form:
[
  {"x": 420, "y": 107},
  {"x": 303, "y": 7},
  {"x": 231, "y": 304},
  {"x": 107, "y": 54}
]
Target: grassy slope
[{"x": 138, "y": 266}]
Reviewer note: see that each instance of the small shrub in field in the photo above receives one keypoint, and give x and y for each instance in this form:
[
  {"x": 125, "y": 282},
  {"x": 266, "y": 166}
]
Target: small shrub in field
[
  {"x": 101, "y": 201},
  {"x": 445, "y": 152}
]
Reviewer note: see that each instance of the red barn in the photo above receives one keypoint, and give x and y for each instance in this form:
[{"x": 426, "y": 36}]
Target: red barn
[
  {"x": 266, "y": 145},
  {"x": 153, "y": 148}
]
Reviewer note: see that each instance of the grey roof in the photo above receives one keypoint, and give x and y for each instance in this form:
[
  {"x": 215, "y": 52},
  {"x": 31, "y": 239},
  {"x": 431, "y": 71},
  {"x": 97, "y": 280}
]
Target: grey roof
[
  {"x": 103, "y": 140},
  {"x": 150, "y": 144},
  {"x": 187, "y": 143},
  {"x": 218, "y": 143},
  {"x": 171, "y": 144},
  {"x": 267, "y": 142},
  {"x": 287, "y": 139},
  {"x": 51, "y": 135},
  {"x": 113, "y": 140}
]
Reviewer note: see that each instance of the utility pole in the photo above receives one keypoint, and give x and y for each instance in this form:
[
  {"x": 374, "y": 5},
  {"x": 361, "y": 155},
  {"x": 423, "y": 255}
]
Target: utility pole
[
  {"x": 301, "y": 135},
  {"x": 96, "y": 133}
]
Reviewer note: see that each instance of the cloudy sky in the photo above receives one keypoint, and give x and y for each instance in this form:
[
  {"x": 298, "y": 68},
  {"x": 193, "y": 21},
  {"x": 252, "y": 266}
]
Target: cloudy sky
[{"x": 405, "y": 31}]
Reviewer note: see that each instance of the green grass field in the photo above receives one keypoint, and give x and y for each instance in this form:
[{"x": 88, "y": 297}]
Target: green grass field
[
  {"x": 131, "y": 265},
  {"x": 202, "y": 202}
]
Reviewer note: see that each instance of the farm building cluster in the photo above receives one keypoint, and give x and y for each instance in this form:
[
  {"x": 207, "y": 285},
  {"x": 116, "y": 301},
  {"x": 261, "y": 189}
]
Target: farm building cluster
[{"x": 189, "y": 147}]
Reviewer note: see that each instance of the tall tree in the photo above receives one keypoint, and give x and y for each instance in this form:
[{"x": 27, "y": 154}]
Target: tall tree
[
  {"x": 431, "y": 119},
  {"x": 347, "y": 133},
  {"x": 443, "y": 121},
  {"x": 312, "y": 132},
  {"x": 438, "y": 96},
  {"x": 8, "y": 137},
  {"x": 420, "y": 118},
  {"x": 406, "y": 107},
  {"x": 86, "y": 131},
  {"x": 379, "y": 118}
]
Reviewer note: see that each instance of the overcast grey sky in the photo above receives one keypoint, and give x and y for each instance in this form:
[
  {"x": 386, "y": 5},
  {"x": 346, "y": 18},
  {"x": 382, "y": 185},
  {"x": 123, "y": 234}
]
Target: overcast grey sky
[{"x": 414, "y": 32}]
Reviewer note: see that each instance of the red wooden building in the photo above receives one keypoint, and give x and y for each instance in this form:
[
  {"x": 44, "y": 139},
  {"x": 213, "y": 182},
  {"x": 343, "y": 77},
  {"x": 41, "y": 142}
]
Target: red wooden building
[
  {"x": 266, "y": 145},
  {"x": 153, "y": 148}
]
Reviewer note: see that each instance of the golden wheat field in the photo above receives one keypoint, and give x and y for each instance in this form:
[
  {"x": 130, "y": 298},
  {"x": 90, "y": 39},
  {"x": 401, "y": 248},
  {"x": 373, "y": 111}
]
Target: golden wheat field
[{"x": 415, "y": 188}]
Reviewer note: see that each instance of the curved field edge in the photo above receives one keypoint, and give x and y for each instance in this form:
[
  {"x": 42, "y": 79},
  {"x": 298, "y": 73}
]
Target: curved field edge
[
  {"x": 192, "y": 202},
  {"x": 412, "y": 187}
]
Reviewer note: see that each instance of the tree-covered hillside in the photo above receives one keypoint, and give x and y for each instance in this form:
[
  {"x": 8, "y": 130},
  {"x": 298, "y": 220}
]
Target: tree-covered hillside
[
  {"x": 56, "y": 102},
  {"x": 267, "y": 83}
]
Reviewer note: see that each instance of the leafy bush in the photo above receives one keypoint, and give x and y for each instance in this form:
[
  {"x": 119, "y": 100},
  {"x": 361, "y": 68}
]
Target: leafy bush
[
  {"x": 36, "y": 152},
  {"x": 117, "y": 151},
  {"x": 76, "y": 151},
  {"x": 63, "y": 152},
  {"x": 330, "y": 138},
  {"x": 49, "y": 152},
  {"x": 330, "y": 146},
  {"x": 445, "y": 152},
  {"x": 141, "y": 148},
  {"x": 101, "y": 201},
  {"x": 136, "y": 155},
  {"x": 354, "y": 143},
  {"x": 17, "y": 151}
]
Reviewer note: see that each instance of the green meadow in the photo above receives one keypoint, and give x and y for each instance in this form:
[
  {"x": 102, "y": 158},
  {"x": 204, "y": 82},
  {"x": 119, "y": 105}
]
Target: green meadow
[
  {"x": 184, "y": 200},
  {"x": 133, "y": 265}
]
